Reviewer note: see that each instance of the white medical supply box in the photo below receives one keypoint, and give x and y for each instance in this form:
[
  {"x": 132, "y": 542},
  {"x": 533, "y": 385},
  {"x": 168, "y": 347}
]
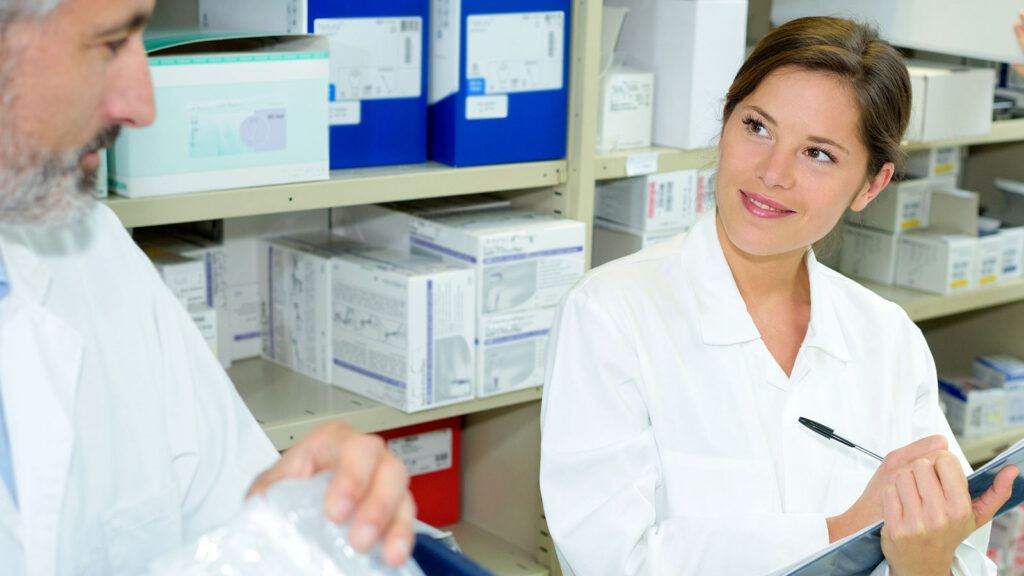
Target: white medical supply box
[
  {"x": 935, "y": 161},
  {"x": 936, "y": 262},
  {"x": 1006, "y": 372},
  {"x": 1013, "y": 251},
  {"x": 612, "y": 241},
  {"x": 232, "y": 113},
  {"x": 186, "y": 277},
  {"x": 900, "y": 206},
  {"x": 404, "y": 328},
  {"x": 206, "y": 320},
  {"x": 973, "y": 408},
  {"x": 869, "y": 254},
  {"x": 664, "y": 201},
  {"x": 625, "y": 113},
  {"x": 512, "y": 350},
  {"x": 949, "y": 102},
  {"x": 989, "y": 260}
]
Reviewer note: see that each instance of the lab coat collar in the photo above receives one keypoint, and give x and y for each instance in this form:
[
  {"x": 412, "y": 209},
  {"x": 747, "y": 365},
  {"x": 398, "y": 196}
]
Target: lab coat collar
[
  {"x": 724, "y": 318},
  {"x": 39, "y": 391}
]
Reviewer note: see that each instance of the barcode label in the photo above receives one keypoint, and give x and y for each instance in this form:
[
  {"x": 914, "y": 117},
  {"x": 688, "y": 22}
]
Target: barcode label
[{"x": 424, "y": 453}]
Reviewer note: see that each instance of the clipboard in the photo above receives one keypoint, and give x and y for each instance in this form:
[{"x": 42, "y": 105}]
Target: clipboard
[{"x": 859, "y": 554}]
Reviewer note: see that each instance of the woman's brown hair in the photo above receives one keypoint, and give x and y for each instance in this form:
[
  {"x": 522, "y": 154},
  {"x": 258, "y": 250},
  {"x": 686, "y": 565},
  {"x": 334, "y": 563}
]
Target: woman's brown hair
[{"x": 854, "y": 52}]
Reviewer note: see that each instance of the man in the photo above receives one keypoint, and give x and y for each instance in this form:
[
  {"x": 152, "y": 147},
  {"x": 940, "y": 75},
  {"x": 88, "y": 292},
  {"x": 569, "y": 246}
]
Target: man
[{"x": 120, "y": 436}]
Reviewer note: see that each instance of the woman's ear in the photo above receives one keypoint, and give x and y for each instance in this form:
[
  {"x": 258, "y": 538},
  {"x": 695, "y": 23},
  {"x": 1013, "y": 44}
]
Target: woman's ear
[{"x": 873, "y": 187}]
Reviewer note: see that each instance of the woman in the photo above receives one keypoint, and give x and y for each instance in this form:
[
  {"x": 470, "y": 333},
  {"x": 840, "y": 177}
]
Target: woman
[{"x": 670, "y": 436}]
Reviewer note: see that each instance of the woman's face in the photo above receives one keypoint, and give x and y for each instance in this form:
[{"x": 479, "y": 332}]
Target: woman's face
[{"x": 792, "y": 162}]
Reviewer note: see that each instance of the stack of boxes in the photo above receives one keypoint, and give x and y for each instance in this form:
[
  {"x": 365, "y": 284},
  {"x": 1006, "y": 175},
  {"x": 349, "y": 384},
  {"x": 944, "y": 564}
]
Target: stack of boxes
[
  {"x": 987, "y": 402},
  {"x": 635, "y": 213}
]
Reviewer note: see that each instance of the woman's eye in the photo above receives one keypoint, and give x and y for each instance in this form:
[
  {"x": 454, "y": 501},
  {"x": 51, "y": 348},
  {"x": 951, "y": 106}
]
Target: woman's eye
[
  {"x": 821, "y": 155},
  {"x": 755, "y": 127}
]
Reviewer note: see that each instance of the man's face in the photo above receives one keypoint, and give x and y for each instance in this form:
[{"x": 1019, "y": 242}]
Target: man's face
[{"x": 67, "y": 83}]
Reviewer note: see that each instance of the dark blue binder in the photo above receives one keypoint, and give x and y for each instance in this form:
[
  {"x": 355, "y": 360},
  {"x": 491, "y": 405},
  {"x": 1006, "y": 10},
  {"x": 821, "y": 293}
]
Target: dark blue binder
[{"x": 437, "y": 559}]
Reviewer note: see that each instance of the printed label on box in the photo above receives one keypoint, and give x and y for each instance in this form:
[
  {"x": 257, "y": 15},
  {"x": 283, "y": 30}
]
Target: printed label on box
[
  {"x": 346, "y": 113},
  {"x": 236, "y": 127},
  {"x": 374, "y": 58},
  {"x": 424, "y": 453},
  {"x": 445, "y": 36},
  {"x": 519, "y": 52},
  {"x": 487, "y": 107}
]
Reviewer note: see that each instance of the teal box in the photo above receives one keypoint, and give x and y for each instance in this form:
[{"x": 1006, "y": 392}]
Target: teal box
[{"x": 231, "y": 112}]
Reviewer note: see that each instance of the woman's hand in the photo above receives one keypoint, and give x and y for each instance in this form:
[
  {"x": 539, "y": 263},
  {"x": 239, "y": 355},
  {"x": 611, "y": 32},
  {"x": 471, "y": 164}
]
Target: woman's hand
[
  {"x": 869, "y": 508},
  {"x": 928, "y": 512}
]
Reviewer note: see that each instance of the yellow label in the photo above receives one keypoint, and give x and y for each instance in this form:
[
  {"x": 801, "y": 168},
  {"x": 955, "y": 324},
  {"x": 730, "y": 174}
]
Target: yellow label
[
  {"x": 910, "y": 224},
  {"x": 987, "y": 279},
  {"x": 943, "y": 168},
  {"x": 959, "y": 283}
]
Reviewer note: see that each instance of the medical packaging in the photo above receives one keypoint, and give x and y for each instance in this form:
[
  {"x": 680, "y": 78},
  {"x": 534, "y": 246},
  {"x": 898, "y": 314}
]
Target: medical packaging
[
  {"x": 937, "y": 262},
  {"x": 241, "y": 240},
  {"x": 625, "y": 113},
  {"x": 946, "y": 26},
  {"x": 900, "y": 206},
  {"x": 205, "y": 319},
  {"x": 523, "y": 259},
  {"x": 512, "y": 350},
  {"x": 973, "y": 408},
  {"x": 431, "y": 453},
  {"x": 612, "y": 241},
  {"x": 935, "y": 161},
  {"x": 694, "y": 48},
  {"x": 214, "y": 257},
  {"x": 1013, "y": 251},
  {"x": 296, "y": 289},
  {"x": 989, "y": 260},
  {"x": 102, "y": 187},
  {"x": 403, "y": 328},
  {"x": 498, "y": 89},
  {"x": 664, "y": 201},
  {"x": 869, "y": 254},
  {"x": 186, "y": 277},
  {"x": 1006, "y": 372},
  {"x": 233, "y": 113},
  {"x": 949, "y": 102},
  {"x": 377, "y": 94}
]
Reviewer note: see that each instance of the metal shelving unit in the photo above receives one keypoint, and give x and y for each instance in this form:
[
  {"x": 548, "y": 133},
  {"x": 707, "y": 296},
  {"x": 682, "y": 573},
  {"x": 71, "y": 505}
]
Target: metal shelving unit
[{"x": 924, "y": 306}]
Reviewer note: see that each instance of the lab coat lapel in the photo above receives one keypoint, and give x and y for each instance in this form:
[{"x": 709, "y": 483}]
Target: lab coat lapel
[{"x": 40, "y": 362}]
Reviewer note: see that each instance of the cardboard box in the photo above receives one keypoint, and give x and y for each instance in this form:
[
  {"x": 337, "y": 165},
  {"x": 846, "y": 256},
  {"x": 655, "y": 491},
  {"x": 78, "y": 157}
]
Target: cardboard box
[
  {"x": 973, "y": 408},
  {"x": 869, "y": 254},
  {"x": 901, "y": 206},
  {"x": 694, "y": 49},
  {"x": 945, "y": 26},
  {"x": 403, "y": 328},
  {"x": 625, "y": 95},
  {"x": 296, "y": 289},
  {"x": 205, "y": 319},
  {"x": 499, "y": 76},
  {"x": 1006, "y": 372},
  {"x": 1013, "y": 251},
  {"x": 512, "y": 350},
  {"x": 949, "y": 102},
  {"x": 664, "y": 201},
  {"x": 935, "y": 161},
  {"x": 523, "y": 259},
  {"x": 186, "y": 277},
  {"x": 233, "y": 113},
  {"x": 990, "y": 260},
  {"x": 612, "y": 242},
  {"x": 936, "y": 262},
  {"x": 378, "y": 72},
  {"x": 431, "y": 453}
]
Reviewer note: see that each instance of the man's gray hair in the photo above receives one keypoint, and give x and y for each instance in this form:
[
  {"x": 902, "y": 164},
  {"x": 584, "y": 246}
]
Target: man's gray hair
[{"x": 11, "y": 10}]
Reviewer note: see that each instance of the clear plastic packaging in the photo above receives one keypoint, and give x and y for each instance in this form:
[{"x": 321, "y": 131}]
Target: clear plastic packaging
[{"x": 283, "y": 532}]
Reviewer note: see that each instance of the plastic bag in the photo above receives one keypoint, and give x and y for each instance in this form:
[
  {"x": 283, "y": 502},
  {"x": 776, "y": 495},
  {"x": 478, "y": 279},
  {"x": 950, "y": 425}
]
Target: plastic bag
[{"x": 283, "y": 532}]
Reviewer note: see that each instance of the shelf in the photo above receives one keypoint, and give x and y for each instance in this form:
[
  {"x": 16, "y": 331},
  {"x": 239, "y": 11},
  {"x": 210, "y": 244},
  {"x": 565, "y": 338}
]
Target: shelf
[
  {"x": 345, "y": 188},
  {"x": 1002, "y": 131},
  {"x": 924, "y": 306},
  {"x": 982, "y": 449},
  {"x": 493, "y": 553},
  {"x": 613, "y": 164},
  {"x": 288, "y": 404}
]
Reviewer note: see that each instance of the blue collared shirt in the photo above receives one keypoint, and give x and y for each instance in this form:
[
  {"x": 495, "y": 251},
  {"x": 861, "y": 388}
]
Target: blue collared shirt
[{"x": 6, "y": 466}]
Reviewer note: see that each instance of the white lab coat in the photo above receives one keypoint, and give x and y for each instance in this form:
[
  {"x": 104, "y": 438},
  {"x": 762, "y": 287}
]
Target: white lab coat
[
  {"x": 128, "y": 439},
  {"x": 670, "y": 439}
]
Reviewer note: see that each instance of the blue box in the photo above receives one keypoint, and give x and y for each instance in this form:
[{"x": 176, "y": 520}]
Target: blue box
[
  {"x": 499, "y": 75},
  {"x": 378, "y": 75}
]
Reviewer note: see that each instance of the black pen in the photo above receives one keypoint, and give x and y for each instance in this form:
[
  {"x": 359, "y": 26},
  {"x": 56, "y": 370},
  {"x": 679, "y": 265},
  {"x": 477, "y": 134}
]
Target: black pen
[{"x": 828, "y": 433}]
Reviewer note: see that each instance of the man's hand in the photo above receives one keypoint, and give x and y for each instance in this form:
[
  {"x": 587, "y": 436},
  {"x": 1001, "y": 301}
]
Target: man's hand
[
  {"x": 869, "y": 508},
  {"x": 929, "y": 512},
  {"x": 1018, "y": 27},
  {"x": 370, "y": 486}
]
